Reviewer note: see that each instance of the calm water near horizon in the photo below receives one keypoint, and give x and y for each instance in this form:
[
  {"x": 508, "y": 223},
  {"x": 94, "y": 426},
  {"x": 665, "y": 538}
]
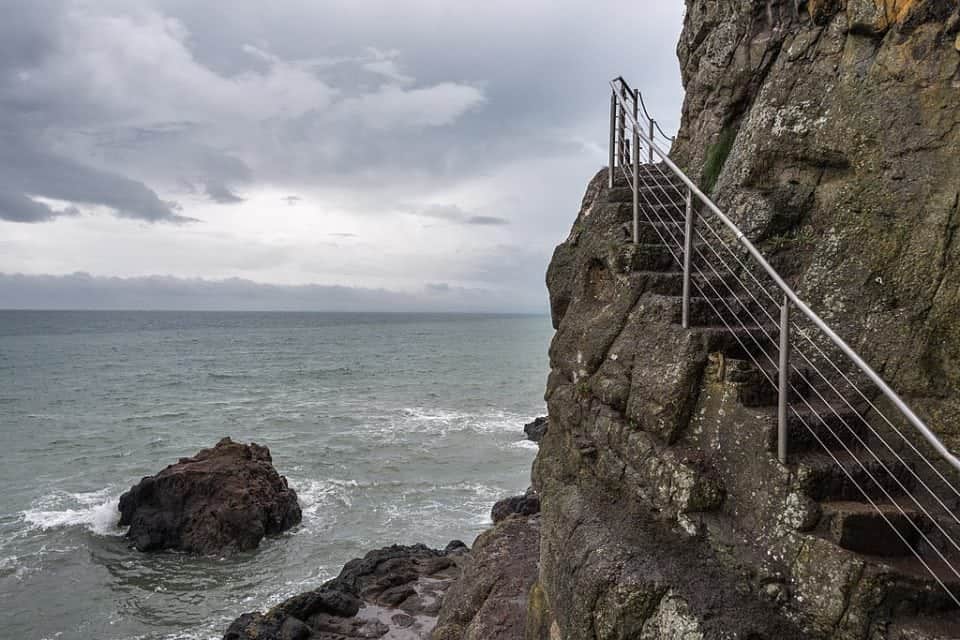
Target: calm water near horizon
[{"x": 392, "y": 428}]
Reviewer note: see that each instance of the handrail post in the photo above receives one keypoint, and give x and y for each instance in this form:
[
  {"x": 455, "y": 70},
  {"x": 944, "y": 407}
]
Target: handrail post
[
  {"x": 621, "y": 125},
  {"x": 653, "y": 123},
  {"x": 636, "y": 185},
  {"x": 784, "y": 381},
  {"x": 613, "y": 136},
  {"x": 687, "y": 260}
]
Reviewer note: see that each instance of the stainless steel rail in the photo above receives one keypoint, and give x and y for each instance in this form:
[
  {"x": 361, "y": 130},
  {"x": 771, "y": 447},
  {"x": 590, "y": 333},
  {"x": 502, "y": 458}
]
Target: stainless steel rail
[
  {"x": 682, "y": 216},
  {"x": 790, "y": 294}
]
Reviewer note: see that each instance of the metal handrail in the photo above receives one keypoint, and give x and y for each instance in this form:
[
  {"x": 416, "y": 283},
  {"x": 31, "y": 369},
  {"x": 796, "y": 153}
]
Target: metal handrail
[{"x": 790, "y": 295}]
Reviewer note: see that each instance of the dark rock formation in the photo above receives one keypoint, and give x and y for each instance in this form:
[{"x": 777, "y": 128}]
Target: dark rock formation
[
  {"x": 537, "y": 429},
  {"x": 829, "y": 132},
  {"x": 489, "y": 600},
  {"x": 394, "y": 593},
  {"x": 526, "y": 505},
  {"x": 223, "y": 499}
]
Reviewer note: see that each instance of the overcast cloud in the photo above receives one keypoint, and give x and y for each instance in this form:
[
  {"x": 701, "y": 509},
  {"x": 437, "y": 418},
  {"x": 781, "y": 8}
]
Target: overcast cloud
[{"x": 420, "y": 153}]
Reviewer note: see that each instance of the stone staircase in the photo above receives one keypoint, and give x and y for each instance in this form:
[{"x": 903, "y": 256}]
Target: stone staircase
[{"x": 828, "y": 461}]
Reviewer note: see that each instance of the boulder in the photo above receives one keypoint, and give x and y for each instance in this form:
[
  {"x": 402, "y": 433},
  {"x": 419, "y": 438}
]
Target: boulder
[
  {"x": 526, "y": 505},
  {"x": 223, "y": 499},
  {"x": 393, "y": 593},
  {"x": 537, "y": 429},
  {"x": 489, "y": 600}
]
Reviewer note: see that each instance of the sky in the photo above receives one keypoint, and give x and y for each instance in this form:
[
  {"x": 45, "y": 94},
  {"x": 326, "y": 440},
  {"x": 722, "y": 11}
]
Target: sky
[{"x": 308, "y": 154}]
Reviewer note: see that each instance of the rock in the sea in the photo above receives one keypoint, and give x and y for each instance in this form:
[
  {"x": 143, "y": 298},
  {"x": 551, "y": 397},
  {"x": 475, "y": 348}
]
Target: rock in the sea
[
  {"x": 223, "y": 499},
  {"x": 394, "y": 593},
  {"x": 537, "y": 429},
  {"x": 489, "y": 600},
  {"x": 526, "y": 505}
]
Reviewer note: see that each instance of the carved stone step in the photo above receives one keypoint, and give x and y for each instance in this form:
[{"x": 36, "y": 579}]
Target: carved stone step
[
  {"x": 670, "y": 283},
  {"x": 650, "y": 194},
  {"x": 808, "y": 430},
  {"x": 758, "y": 386},
  {"x": 644, "y": 257},
  {"x": 821, "y": 478},
  {"x": 945, "y": 626},
  {"x": 859, "y": 527}
]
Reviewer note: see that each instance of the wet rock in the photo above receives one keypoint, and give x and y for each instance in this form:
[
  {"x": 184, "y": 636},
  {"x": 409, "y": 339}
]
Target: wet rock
[
  {"x": 489, "y": 600},
  {"x": 526, "y": 505},
  {"x": 394, "y": 593},
  {"x": 537, "y": 429},
  {"x": 226, "y": 498}
]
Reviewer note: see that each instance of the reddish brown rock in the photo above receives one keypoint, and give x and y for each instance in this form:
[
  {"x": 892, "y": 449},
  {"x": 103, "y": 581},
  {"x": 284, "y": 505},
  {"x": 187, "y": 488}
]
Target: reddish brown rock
[{"x": 223, "y": 499}]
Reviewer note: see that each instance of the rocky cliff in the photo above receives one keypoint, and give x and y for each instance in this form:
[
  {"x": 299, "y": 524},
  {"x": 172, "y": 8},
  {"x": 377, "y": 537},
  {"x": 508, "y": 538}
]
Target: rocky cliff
[{"x": 828, "y": 131}]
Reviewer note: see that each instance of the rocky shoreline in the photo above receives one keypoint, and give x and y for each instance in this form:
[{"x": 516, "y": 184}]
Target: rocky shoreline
[
  {"x": 229, "y": 497},
  {"x": 418, "y": 593}
]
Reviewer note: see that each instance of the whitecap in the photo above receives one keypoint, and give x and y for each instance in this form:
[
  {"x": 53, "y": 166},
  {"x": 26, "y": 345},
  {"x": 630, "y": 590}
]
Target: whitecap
[{"x": 96, "y": 511}]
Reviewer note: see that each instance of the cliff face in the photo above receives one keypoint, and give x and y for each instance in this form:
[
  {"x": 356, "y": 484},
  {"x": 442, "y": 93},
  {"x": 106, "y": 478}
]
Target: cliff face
[{"x": 828, "y": 130}]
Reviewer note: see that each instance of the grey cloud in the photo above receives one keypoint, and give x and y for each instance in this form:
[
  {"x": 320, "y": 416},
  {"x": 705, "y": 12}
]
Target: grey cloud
[
  {"x": 453, "y": 213},
  {"x": 221, "y": 194},
  {"x": 486, "y": 220},
  {"x": 84, "y": 291},
  {"x": 31, "y": 172},
  {"x": 292, "y": 95}
]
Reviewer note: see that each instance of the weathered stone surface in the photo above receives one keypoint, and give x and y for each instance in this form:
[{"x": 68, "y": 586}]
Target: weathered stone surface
[
  {"x": 489, "y": 600},
  {"x": 526, "y": 505},
  {"x": 535, "y": 430},
  {"x": 223, "y": 499},
  {"x": 844, "y": 120},
  {"x": 394, "y": 593}
]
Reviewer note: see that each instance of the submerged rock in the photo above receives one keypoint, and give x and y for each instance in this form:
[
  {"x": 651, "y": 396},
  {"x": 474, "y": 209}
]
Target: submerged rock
[
  {"x": 394, "y": 593},
  {"x": 223, "y": 499},
  {"x": 537, "y": 429}
]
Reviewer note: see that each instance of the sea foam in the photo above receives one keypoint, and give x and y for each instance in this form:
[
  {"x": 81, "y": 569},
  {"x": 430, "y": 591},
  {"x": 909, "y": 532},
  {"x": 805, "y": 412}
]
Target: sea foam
[{"x": 96, "y": 511}]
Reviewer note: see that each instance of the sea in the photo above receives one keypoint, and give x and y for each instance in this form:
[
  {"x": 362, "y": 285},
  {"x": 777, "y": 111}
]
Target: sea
[{"x": 392, "y": 429}]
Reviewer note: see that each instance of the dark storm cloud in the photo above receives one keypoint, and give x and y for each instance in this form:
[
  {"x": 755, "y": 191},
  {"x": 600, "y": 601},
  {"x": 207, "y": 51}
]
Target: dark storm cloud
[
  {"x": 29, "y": 172},
  {"x": 300, "y": 93},
  {"x": 363, "y": 109}
]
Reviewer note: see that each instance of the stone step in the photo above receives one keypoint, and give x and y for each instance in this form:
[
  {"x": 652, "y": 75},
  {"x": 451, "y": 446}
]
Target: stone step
[
  {"x": 859, "y": 527},
  {"x": 735, "y": 342},
  {"x": 650, "y": 194},
  {"x": 656, "y": 232},
  {"x": 821, "y": 478},
  {"x": 816, "y": 424},
  {"x": 706, "y": 311},
  {"x": 670, "y": 283},
  {"x": 632, "y": 257},
  {"x": 943, "y": 626},
  {"x": 758, "y": 386}
]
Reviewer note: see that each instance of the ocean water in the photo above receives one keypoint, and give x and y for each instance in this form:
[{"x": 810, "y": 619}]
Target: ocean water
[{"x": 391, "y": 428}]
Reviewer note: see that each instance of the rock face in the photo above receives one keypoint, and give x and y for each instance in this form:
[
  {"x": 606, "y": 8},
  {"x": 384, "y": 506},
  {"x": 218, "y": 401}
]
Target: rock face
[
  {"x": 223, "y": 499},
  {"x": 394, "y": 593},
  {"x": 526, "y": 505},
  {"x": 828, "y": 130},
  {"x": 489, "y": 600},
  {"x": 537, "y": 429}
]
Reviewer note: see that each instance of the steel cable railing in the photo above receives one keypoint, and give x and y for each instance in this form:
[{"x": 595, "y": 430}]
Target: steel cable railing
[
  {"x": 625, "y": 106},
  {"x": 806, "y": 380},
  {"x": 842, "y": 398}
]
